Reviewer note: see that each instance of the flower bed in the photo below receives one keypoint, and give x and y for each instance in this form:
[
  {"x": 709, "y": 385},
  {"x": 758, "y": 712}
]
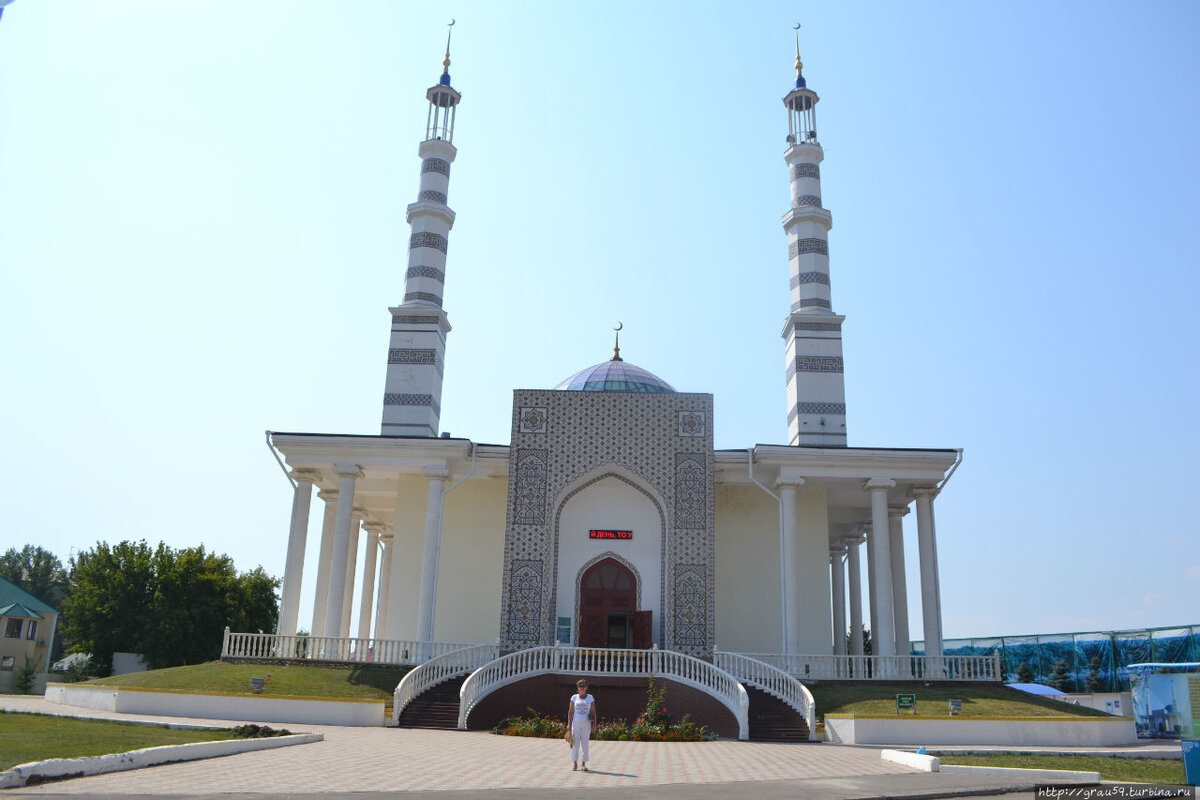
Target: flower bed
[{"x": 654, "y": 724}]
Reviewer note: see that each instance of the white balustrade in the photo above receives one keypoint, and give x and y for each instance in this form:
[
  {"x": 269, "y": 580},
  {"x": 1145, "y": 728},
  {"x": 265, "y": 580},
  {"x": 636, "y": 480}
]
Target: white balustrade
[
  {"x": 273, "y": 647},
  {"x": 439, "y": 669},
  {"x": 604, "y": 662},
  {"x": 773, "y": 681},
  {"x": 885, "y": 668}
]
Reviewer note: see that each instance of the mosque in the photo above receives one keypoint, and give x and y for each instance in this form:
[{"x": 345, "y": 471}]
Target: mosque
[{"x": 608, "y": 520}]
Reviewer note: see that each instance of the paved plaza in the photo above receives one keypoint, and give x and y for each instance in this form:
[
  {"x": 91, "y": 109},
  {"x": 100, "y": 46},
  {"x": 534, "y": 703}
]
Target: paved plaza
[{"x": 369, "y": 762}]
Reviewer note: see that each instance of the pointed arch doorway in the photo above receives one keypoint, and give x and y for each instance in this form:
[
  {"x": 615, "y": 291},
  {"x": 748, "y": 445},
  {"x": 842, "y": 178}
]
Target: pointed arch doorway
[{"x": 608, "y": 613}]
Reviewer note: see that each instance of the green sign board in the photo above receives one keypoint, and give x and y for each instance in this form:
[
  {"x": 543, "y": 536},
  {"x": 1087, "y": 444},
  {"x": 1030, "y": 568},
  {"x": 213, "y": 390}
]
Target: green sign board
[{"x": 904, "y": 701}]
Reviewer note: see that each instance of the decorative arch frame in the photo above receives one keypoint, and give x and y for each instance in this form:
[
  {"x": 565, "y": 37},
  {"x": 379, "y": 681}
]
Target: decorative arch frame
[
  {"x": 624, "y": 562},
  {"x": 639, "y": 483}
]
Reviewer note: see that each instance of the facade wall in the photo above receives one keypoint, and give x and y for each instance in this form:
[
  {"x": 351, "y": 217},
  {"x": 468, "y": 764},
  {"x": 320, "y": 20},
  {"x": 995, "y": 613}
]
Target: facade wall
[
  {"x": 816, "y": 604},
  {"x": 17, "y": 648},
  {"x": 404, "y": 589},
  {"x": 470, "y": 562},
  {"x": 749, "y": 608}
]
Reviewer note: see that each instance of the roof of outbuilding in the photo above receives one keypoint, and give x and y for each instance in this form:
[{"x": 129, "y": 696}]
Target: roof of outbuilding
[{"x": 14, "y": 597}]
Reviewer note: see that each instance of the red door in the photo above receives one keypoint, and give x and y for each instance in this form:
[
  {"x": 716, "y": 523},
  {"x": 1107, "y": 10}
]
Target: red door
[{"x": 607, "y": 602}]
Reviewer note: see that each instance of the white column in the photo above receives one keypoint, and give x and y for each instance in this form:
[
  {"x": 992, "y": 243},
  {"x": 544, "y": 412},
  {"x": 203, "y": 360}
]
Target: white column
[
  {"x": 837, "y": 572},
  {"x": 351, "y": 570},
  {"x": 347, "y": 474},
  {"x": 385, "y": 582},
  {"x": 855, "y": 572},
  {"x": 899, "y": 581},
  {"x": 367, "y": 594},
  {"x": 931, "y": 606},
  {"x": 429, "y": 554},
  {"x": 321, "y": 601},
  {"x": 872, "y": 594},
  {"x": 293, "y": 569},
  {"x": 787, "y": 485},
  {"x": 883, "y": 640}
]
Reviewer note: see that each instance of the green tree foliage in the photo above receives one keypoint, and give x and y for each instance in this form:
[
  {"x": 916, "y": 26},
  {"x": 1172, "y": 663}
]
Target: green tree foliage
[
  {"x": 171, "y": 606},
  {"x": 1024, "y": 673},
  {"x": 37, "y": 571},
  {"x": 1060, "y": 676}
]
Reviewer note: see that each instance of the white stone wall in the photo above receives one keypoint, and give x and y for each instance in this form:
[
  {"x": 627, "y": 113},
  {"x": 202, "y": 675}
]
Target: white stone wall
[{"x": 471, "y": 562}]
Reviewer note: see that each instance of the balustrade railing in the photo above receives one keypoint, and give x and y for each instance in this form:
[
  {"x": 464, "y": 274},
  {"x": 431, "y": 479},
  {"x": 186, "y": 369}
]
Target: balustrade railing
[
  {"x": 885, "y": 668},
  {"x": 773, "y": 681},
  {"x": 439, "y": 669},
  {"x": 273, "y": 647},
  {"x": 604, "y": 662}
]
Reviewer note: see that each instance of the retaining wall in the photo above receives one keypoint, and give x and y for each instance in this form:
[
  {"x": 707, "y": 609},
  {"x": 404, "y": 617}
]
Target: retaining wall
[{"x": 1027, "y": 731}]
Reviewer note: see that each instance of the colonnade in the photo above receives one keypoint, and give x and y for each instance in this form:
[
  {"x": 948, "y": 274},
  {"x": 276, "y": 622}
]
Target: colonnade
[
  {"x": 887, "y": 592},
  {"x": 337, "y": 560}
]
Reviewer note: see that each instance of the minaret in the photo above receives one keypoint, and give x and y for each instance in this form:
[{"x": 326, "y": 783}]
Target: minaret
[
  {"x": 412, "y": 394},
  {"x": 815, "y": 384}
]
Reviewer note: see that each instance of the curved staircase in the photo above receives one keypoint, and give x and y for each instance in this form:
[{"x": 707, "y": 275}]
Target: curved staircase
[
  {"x": 772, "y": 720},
  {"x": 435, "y": 708}
]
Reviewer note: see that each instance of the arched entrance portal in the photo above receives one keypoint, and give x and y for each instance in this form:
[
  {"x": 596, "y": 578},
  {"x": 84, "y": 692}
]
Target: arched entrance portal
[{"x": 608, "y": 614}]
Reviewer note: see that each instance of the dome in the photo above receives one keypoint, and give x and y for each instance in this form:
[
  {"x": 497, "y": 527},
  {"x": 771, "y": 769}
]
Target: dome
[{"x": 615, "y": 376}]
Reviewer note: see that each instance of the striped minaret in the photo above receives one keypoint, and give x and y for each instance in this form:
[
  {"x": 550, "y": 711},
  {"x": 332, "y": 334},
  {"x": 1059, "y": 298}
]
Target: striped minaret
[
  {"x": 815, "y": 384},
  {"x": 412, "y": 394}
]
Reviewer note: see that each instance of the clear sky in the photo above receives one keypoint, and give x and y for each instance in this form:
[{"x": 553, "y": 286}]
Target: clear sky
[{"x": 202, "y": 228}]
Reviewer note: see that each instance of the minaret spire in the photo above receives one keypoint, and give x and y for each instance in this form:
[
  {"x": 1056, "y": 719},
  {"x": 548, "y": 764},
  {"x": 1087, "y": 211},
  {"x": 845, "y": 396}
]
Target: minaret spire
[
  {"x": 413, "y": 389},
  {"x": 815, "y": 382}
]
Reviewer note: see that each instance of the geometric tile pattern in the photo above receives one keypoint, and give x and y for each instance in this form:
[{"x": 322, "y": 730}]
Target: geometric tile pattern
[
  {"x": 427, "y": 239},
  {"x": 533, "y": 420},
  {"x": 410, "y": 319},
  {"x": 432, "y": 196},
  {"x": 808, "y": 302},
  {"x": 832, "y": 409},
  {"x": 440, "y": 165},
  {"x": 810, "y": 277},
  {"x": 638, "y": 438},
  {"x": 817, "y": 326},
  {"x": 430, "y": 272},
  {"x": 807, "y": 200},
  {"x": 690, "y": 614},
  {"x": 815, "y": 364},
  {"x": 806, "y": 170},
  {"x": 396, "y": 399},
  {"x": 809, "y": 245},
  {"x": 429, "y": 297},
  {"x": 397, "y": 356}
]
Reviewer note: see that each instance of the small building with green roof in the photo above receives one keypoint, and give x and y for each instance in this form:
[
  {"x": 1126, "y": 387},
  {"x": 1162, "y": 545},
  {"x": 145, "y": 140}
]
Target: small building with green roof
[{"x": 27, "y": 627}]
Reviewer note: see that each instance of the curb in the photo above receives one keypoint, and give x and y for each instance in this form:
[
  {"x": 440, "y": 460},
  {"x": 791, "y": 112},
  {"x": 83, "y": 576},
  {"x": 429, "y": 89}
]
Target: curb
[
  {"x": 59, "y": 768},
  {"x": 1042, "y": 775},
  {"x": 909, "y": 759}
]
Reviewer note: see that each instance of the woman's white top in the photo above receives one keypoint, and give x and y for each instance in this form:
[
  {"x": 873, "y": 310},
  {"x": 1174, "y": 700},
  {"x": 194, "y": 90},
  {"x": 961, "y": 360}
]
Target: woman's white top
[{"x": 582, "y": 706}]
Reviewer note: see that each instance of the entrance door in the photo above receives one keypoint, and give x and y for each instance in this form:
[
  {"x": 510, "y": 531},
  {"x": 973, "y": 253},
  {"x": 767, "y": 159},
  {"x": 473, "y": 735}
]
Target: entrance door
[{"x": 607, "y": 601}]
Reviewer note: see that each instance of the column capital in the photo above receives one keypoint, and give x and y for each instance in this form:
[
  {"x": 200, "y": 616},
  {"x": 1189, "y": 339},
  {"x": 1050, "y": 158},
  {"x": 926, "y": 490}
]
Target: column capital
[
  {"x": 897, "y": 511},
  {"x": 837, "y": 552},
  {"x": 328, "y": 494},
  {"x": 305, "y": 476},
  {"x": 854, "y": 539},
  {"x": 348, "y": 470},
  {"x": 877, "y": 484},
  {"x": 374, "y": 527},
  {"x": 362, "y": 512},
  {"x": 386, "y": 536},
  {"x": 436, "y": 471},
  {"x": 789, "y": 479},
  {"x": 924, "y": 491}
]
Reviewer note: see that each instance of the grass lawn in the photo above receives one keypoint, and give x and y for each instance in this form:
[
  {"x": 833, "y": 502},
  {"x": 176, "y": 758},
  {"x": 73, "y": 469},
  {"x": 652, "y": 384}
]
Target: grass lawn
[
  {"x": 36, "y": 737},
  {"x": 363, "y": 683},
  {"x": 979, "y": 700},
  {"x": 1133, "y": 770}
]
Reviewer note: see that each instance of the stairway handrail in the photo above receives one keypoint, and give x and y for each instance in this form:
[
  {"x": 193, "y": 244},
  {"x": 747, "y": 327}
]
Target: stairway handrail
[
  {"x": 774, "y": 682},
  {"x": 437, "y": 670},
  {"x": 604, "y": 662}
]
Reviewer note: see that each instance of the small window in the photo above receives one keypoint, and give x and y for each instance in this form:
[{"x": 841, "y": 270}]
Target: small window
[
  {"x": 12, "y": 629},
  {"x": 31, "y": 630},
  {"x": 6, "y": 663}
]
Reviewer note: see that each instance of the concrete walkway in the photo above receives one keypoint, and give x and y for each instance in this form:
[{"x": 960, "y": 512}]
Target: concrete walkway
[{"x": 455, "y": 764}]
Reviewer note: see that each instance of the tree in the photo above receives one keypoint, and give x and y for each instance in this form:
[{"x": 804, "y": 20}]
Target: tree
[
  {"x": 1094, "y": 682},
  {"x": 37, "y": 571},
  {"x": 171, "y": 606},
  {"x": 1024, "y": 673},
  {"x": 1060, "y": 676}
]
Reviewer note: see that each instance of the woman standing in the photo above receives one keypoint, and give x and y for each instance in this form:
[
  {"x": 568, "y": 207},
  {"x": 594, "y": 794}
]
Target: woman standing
[{"x": 580, "y": 716}]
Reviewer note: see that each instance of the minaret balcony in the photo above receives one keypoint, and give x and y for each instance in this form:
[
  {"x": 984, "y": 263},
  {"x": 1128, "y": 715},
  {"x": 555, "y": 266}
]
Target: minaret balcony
[
  {"x": 803, "y": 214},
  {"x": 804, "y": 151},
  {"x": 431, "y": 208}
]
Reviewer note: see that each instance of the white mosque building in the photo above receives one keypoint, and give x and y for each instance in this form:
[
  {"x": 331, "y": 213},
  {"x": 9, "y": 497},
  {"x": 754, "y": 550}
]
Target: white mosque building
[{"x": 608, "y": 520}]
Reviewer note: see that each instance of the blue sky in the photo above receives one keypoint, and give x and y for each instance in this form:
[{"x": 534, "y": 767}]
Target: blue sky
[{"x": 202, "y": 227}]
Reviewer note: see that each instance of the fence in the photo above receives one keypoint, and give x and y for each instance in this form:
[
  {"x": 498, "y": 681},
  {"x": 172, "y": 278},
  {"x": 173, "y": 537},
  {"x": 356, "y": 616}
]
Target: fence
[{"x": 273, "y": 647}]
